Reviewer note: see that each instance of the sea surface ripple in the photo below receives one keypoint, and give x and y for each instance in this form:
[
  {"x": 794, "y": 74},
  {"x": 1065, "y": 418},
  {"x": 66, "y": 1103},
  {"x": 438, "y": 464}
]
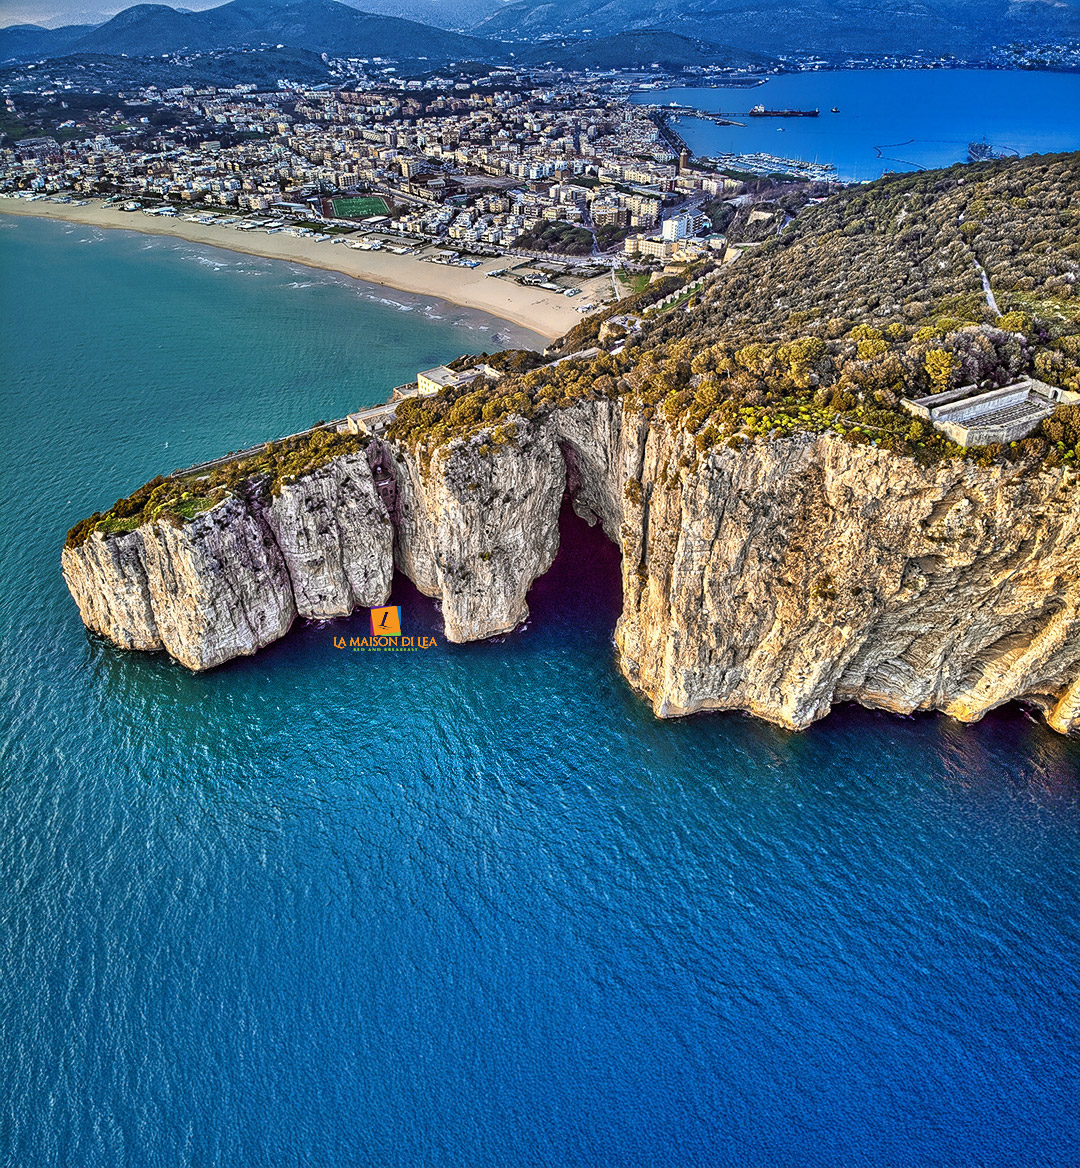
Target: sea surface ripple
[{"x": 471, "y": 906}]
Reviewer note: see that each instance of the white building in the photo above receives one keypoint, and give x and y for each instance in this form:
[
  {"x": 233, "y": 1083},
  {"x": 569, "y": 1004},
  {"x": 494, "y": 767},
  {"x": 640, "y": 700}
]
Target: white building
[{"x": 677, "y": 227}]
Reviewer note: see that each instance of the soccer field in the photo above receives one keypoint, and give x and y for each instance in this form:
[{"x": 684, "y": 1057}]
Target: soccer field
[{"x": 359, "y": 208}]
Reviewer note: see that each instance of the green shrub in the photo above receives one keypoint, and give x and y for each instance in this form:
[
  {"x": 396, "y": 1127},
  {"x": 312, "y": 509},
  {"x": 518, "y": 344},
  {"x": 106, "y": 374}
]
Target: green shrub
[{"x": 180, "y": 498}]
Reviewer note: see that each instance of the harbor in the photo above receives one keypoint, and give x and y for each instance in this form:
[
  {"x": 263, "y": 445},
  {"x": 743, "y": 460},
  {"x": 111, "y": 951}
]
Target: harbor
[
  {"x": 936, "y": 113},
  {"x": 668, "y": 118},
  {"x": 763, "y": 164}
]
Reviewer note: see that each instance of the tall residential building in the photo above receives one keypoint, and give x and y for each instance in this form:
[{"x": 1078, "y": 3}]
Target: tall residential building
[{"x": 677, "y": 227}]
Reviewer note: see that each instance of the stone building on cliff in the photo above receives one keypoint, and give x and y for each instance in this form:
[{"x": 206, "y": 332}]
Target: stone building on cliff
[{"x": 970, "y": 416}]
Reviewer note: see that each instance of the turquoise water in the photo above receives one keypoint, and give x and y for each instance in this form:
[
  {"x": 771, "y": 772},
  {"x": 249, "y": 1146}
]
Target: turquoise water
[
  {"x": 889, "y": 119},
  {"x": 472, "y": 906}
]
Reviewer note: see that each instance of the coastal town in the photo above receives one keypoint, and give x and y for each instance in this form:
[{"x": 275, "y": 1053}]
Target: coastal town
[
  {"x": 561, "y": 175},
  {"x": 511, "y": 168}
]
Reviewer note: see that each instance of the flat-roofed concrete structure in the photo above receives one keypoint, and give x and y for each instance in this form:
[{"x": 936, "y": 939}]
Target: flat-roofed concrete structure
[
  {"x": 432, "y": 380},
  {"x": 373, "y": 421},
  {"x": 972, "y": 417}
]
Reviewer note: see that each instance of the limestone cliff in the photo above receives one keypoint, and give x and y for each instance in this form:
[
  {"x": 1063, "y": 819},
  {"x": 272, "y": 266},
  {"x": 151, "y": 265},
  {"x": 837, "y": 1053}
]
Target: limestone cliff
[
  {"x": 235, "y": 577},
  {"x": 477, "y": 526},
  {"x": 787, "y": 576},
  {"x": 336, "y": 539},
  {"x": 778, "y": 578}
]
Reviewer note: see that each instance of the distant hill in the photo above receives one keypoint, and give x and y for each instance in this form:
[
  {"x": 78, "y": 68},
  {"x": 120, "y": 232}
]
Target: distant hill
[
  {"x": 260, "y": 67},
  {"x": 28, "y": 42},
  {"x": 824, "y": 26},
  {"x": 641, "y": 49},
  {"x": 326, "y": 26},
  {"x": 319, "y": 26},
  {"x": 599, "y": 34},
  {"x": 150, "y": 28}
]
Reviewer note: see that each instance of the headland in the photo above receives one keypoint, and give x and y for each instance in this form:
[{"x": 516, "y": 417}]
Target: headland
[{"x": 823, "y": 486}]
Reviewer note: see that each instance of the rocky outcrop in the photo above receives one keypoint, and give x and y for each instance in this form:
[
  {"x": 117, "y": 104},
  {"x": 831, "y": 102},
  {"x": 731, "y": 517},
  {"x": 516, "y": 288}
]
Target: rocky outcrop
[
  {"x": 235, "y": 577},
  {"x": 107, "y": 578},
  {"x": 603, "y": 446},
  {"x": 785, "y": 577},
  {"x": 206, "y": 591},
  {"x": 478, "y": 524},
  {"x": 779, "y": 578},
  {"x": 335, "y": 537}
]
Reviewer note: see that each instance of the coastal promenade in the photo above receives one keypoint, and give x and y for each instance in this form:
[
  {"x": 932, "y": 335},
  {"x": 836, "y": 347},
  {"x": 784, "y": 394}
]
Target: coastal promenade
[{"x": 547, "y": 313}]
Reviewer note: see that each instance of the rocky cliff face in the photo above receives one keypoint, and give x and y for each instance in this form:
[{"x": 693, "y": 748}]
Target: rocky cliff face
[
  {"x": 234, "y": 578},
  {"x": 779, "y": 578},
  {"x": 786, "y": 577},
  {"x": 477, "y": 526}
]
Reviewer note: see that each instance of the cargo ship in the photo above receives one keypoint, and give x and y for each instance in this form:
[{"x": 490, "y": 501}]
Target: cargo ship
[{"x": 759, "y": 111}]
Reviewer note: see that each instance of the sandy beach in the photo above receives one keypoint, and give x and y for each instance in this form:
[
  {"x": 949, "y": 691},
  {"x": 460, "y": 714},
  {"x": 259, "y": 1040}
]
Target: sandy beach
[{"x": 547, "y": 313}]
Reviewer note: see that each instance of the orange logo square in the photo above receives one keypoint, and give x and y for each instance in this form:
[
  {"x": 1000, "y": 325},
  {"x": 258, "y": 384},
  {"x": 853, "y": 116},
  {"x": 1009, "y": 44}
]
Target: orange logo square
[{"x": 386, "y": 622}]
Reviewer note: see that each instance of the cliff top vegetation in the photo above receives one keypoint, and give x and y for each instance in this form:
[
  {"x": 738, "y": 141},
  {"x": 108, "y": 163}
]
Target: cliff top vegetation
[
  {"x": 181, "y": 497},
  {"x": 870, "y": 296}
]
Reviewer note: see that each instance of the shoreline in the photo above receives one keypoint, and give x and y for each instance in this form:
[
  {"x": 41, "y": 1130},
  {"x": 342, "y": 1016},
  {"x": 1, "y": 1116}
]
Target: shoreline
[{"x": 547, "y": 314}]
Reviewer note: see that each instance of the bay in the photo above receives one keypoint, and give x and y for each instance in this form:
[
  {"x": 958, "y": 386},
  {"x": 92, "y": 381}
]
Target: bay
[
  {"x": 474, "y": 905},
  {"x": 889, "y": 119}
]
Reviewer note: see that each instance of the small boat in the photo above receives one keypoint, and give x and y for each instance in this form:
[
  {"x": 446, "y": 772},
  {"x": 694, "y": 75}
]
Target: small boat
[{"x": 834, "y": 110}]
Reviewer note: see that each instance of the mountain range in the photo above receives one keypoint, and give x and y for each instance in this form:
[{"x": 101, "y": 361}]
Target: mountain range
[
  {"x": 322, "y": 26},
  {"x": 326, "y": 26},
  {"x": 604, "y": 34},
  {"x": 822, "y": 26}
]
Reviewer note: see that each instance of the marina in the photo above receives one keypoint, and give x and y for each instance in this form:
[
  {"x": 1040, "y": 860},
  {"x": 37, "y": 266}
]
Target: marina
[{"x": 763, "y": 164}]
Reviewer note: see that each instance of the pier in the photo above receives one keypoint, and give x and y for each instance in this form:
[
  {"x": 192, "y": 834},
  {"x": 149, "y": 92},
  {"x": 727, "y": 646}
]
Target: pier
[
  {"x": 689, "y": 111},
  {"x": 720, "y": 118}
]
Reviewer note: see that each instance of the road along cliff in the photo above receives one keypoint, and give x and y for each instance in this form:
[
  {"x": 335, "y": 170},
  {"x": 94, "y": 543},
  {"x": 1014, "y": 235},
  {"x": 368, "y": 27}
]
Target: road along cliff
[{"x": 778, "y": 577}]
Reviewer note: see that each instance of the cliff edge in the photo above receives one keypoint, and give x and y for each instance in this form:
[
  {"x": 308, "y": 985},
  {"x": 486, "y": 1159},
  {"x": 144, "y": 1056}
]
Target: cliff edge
[
  {"x": 777, "y": 578},
  {"x": 797, "y": 524}
]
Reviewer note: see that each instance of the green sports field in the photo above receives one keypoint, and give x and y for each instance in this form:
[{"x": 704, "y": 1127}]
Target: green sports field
[{"x": 359, "y": 208}]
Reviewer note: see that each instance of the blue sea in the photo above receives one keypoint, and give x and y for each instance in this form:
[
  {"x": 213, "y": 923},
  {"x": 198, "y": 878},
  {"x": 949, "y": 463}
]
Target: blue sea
[
  {"x": 889, "y": 119},
  {"x": 471, "y": 906}
]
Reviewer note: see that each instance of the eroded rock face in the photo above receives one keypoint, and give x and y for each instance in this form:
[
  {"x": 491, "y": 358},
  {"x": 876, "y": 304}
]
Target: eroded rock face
[
  {"x": 335, "y": 537},
  {"x": 234, "y": 578},
  {"x": 207, "y": 591},
  {"x": 478, "y": 525},
  {"x": 602, "y": 446},
  {"x": 785, "y": 577},
  {"x": 218, "y": 586},
  {"x": 107, "y": 579},
  {"x": 779, "y": 578}
]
